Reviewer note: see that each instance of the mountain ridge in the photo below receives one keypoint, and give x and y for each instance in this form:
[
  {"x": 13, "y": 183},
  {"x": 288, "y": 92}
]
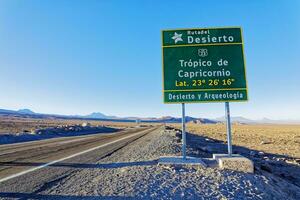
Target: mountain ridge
[{"x": 164, "y": 119}]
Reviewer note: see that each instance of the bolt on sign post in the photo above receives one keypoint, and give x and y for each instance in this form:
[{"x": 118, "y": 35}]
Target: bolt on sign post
[{"x": 204, "y": 65}]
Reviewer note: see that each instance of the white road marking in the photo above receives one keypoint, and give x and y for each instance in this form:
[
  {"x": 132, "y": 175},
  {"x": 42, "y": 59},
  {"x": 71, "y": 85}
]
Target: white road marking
[{"x": 65, "y": 158}]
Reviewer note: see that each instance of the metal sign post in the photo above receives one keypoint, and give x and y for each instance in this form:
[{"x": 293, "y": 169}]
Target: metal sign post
[
  {"x": 183, "y": 132},
  {"x": 228, "y": 126}
]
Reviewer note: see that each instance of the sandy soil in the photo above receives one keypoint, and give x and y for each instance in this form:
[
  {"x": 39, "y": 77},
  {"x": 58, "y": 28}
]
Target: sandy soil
[
  {"x": 14, "y": 125},
  {"x": 275, "y": 149},
  {"x": 271, "y": 138}
]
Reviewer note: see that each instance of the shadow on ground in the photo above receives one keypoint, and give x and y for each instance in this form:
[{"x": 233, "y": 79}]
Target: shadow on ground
[
  {"x": 28, "y": 137},
  {"x": 276, "y": 164},
  {"x": 82, "y": 165},
  {"x": 23, "y": 196}
]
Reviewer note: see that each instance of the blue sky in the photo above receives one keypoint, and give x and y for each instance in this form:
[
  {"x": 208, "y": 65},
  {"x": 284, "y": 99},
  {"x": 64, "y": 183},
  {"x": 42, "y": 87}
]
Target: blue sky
[{"x": 77, "y": 57}]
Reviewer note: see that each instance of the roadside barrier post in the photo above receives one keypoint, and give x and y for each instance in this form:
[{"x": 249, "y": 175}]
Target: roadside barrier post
[
  {"x": 183, "y": 132},
  {"x": 228, "y": 126}
]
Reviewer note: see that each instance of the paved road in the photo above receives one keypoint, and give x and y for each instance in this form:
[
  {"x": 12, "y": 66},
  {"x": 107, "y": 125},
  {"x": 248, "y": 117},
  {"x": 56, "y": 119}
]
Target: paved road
[{"x": 27, "y": 168}]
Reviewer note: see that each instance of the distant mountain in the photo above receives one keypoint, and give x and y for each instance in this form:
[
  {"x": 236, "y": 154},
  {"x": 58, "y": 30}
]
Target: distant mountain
[
  {"x": 21, "y": 111},
  {"x": 7, "y": 111},
  {"x": 259, "y": 121},
  {"x": 271, "y": 121},
  {"x": 166, "y": 119},
  {"x": 96, "y": 115},
  {"x": 169, "y": 119},
  {"x": 25, "y": 111},
  {"x": 237, "y": 119}
]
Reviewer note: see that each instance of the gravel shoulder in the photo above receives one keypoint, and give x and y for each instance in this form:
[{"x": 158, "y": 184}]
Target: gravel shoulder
[
  {"x": 274, "y": 148},
  {"x": 132, "y": 172}
]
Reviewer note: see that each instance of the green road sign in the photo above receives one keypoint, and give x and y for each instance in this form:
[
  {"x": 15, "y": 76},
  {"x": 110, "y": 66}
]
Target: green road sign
[{"x": 203, "y": 65}]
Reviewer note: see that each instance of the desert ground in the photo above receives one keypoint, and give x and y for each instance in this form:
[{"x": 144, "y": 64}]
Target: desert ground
[
  {"x": 127, "y": 166},
  {"x": 269, "y": 138},
  {"x": 274, "y": 148},
  {"x": 12, "y": 125}
]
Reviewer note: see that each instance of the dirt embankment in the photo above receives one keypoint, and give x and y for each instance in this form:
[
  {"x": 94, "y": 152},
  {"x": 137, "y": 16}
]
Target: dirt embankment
[{"x": 275, "y": 149}]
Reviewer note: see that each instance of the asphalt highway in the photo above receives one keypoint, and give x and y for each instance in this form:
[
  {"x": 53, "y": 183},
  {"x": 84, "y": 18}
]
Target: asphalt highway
[{"x": 27, "y": 168}]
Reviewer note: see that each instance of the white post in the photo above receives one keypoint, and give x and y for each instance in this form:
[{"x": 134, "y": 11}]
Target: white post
[
  {"x": 183, "y": 132},
  {"x": 228, "y": 126}
]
